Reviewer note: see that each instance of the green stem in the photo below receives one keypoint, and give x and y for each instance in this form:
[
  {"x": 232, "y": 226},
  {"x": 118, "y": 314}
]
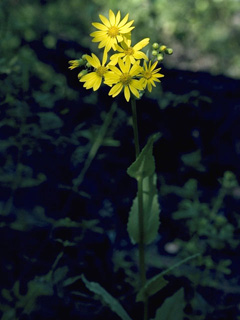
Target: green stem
[{"x": 141, "y": 247}]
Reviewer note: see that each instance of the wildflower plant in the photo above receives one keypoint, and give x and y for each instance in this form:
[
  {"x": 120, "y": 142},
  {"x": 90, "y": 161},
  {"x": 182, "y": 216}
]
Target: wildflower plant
[{"x": 125, "y": 67}]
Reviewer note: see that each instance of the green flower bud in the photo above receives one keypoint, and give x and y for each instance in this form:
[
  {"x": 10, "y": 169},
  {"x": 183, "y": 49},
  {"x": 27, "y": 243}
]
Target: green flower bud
[
  {"x": 155, "y": 46},
  {"x": 154, "y": 52},
  {"x": 163, "y": 48},
  {"x": 84, "y": 56},
  {"x": 81, "y": 62},
  {"x": 82, "y": 73},
  {"x": 88, "y": 65},
  {"x": 169, "y": 51},
  {"x": 160, "y": 57}
]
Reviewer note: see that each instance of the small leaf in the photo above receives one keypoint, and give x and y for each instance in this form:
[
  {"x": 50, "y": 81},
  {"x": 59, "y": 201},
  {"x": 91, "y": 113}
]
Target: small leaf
[
  {"x": 172, "y": 308},
  {"x": 108, "y": 299},
  {"x": 49, "y": 121},
  {"x": 71, "y": 280},
  {"x": 144, "y": 165},
  {"x": 156, "y": 283},
  {"x": 60, "y": 274},
  {"x": 151, "y": 289},
  {"x": 151, "y": 212},
  {"x": 193, "y": 160}
]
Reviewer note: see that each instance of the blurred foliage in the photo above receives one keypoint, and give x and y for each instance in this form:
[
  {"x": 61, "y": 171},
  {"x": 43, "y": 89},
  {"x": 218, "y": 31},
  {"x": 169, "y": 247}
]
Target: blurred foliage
[
  {"x": 204, "y": 34},
  {"x": 207, "y": 229}
]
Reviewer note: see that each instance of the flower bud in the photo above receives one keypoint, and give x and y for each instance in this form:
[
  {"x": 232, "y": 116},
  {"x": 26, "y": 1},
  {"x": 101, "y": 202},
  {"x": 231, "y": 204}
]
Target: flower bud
[
  {"x": 84, "y": 56},
  {"x": 81, "y": 62},
  {"x": 155, "y": 46},
  {"x": 76, "y": 63},
  {"x": 154, "y": 52},
  {"x": 169, "y": 51},
  {"x": 160, "y": 57},
  {"x": 88, "y": 65},
  {"x": 82, "y": 73},
  {"x": 163, "y": 48}
]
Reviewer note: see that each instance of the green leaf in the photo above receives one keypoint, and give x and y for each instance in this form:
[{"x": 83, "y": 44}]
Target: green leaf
[
  {"x": 151, "y": 212},
  {"x": 49, "y": 121},
  {"x": 71, "y": 280},
  {"x": 60, "y": 274},
  {"x": 114, "y": 305},
  {"x": 158, "y": 282},
  {"x": 193, "y": 160},
  {"x": 144, "y": 165},
  {"x": 172, "y": 308},
  {"x": 152, "y": 288}
]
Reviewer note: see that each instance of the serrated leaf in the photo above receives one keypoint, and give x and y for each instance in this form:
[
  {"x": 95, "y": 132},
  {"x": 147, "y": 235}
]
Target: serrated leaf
[
  {"x": 144, "y": 165},
  {"x": 172, "y": 308},
  {"x": 156, "y": 283},
  {"x": 151, "y": 212},
  {"x": 114, "y": 305}
]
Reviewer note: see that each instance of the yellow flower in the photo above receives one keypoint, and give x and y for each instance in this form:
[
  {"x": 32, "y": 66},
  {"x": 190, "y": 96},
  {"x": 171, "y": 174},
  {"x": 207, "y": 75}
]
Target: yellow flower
[
  {"x": 149, "y": 75},
  {"x": 111, "y": 31},
  {"x": 126, "y": 50},
  {"x": 123, "y": 77},
  {"x": 94, "y": 79}
]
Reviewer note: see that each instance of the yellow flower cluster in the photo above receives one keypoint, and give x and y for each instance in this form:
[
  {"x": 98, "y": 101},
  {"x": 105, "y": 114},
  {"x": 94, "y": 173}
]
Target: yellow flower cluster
[{"x": 123, "y": 71}]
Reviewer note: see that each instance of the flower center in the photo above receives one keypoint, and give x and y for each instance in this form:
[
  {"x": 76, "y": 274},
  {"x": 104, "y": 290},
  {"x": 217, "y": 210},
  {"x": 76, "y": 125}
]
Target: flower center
[
  {"x": 113, "y": 32},
  {"x": 101, "y": 70},
  {"x": 129, "y": 51},
  {"x": 147, "y": 75},
  {"x": 125, "y": 79}
]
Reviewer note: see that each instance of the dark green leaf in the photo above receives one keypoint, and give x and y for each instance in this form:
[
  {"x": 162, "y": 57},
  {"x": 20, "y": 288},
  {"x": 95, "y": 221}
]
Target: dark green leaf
[
  {"x": 108, "y": 299},
  {"x": 156, "y": 283},
  {"x": 172, "y": 308},
  {"x": 144, "y": 165},
  {"x": 151, "y": 212}
]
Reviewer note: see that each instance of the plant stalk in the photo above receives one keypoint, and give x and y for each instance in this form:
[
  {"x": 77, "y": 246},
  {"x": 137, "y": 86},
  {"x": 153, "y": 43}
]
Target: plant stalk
[{"x": 141, "y": 246}]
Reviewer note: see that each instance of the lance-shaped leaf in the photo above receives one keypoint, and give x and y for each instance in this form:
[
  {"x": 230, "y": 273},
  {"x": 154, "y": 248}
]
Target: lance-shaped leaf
[
  {"x": 156, "y": 283},
  {"x": 151, "y": 212},
  {"x": 144, "y": 165},
  {"x": 108, "y": 299}
]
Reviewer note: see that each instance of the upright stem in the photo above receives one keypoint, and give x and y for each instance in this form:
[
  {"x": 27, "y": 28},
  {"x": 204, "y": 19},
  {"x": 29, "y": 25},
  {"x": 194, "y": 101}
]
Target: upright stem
[
  {"x": 141, "y": 247},
  {"x": 135, "y": 127}
]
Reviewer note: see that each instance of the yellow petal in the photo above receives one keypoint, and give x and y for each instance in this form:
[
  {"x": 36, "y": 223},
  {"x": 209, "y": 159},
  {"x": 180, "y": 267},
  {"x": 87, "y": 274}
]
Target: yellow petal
[
  {"x": 118, "y": 17},
  {"x": 137, "y": 84},
  {"x": 134, "y": 91},
  {"x": 105, "y": 21},
  {"x": 127, "y": 93},
  {"x": 149, "y": 86},
  {"x": 116, "y": 89},
  {"x": 104, "y": 59},
  {"x": 94, "y": 61},
  {"x": 122, "y": 66},
  {"x": 140, "y": 55},
  {"x": 97, "y": 83},
  {"x": 98, "y": 34},
  {"x": 88, "y": 77},
  {"x": 100, "y": 26},
  {"x": 112, "y": 17},
  {"x": 115, "y": 70},
  {"x": 141, "y": 44},
  {"x": 124, "y": 20}
]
